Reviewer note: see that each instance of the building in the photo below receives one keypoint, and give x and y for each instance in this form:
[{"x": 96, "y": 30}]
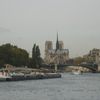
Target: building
[
  {"x": 93, "y": 56},
  {"x": 59, "y": 55}
]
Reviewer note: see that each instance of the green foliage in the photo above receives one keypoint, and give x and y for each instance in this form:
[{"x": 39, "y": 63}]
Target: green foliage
[
  {"x": 33, "y": 60},
  {"x": 13, "y": 55},
  {"x": 36, "y": 57},
  {"x": 78, "y": 60}
]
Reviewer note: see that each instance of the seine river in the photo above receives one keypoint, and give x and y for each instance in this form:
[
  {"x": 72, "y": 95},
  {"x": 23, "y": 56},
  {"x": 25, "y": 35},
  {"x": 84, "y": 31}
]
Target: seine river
[{"x": 69, "y": 87}]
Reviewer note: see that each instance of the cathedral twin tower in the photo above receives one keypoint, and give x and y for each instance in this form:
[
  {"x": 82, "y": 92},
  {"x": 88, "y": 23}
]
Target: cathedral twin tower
[{"x": 59, "y": 55}]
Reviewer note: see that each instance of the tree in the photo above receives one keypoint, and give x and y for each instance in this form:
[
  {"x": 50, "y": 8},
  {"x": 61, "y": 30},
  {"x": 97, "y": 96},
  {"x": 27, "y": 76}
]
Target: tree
[
  {"x": 36, "y": 56},
  {"x": 13, "y": 55},
  {"x": 78, "y": 60}
]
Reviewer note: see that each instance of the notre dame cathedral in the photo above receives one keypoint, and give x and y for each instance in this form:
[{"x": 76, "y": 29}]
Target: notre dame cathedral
[{"x": 59, "y": 55}]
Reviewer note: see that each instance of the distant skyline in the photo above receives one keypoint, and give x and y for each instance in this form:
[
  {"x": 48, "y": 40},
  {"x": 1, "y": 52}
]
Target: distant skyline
[{"x": 25, "y": 22}]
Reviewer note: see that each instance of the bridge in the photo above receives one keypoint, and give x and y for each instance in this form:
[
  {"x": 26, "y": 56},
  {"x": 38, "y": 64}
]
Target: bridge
[{"x": 90, "y": 66}]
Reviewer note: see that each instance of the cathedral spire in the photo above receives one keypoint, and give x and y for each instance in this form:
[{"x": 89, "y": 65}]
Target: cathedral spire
[{"x": 57, "y": 42}]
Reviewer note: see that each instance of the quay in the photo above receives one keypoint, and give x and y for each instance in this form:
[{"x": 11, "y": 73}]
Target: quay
[{"x": 17, "y": 75}]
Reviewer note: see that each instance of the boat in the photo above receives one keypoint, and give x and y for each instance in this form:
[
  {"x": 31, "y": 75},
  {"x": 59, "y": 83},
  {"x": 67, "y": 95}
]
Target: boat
[
  {"x": 20, "y": 76},
  {"x": 76, "y": 72},
  {"x": 4, "y": 76}
]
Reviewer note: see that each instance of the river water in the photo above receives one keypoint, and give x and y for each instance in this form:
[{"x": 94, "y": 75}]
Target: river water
[{"x": 69, "y": 87}]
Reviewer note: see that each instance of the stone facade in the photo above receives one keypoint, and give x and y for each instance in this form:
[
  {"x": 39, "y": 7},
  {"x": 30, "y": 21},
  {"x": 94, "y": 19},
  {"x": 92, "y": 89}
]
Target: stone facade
[
  {"x": 93, "y": 56},
  {"x": 58, "y": 55}
]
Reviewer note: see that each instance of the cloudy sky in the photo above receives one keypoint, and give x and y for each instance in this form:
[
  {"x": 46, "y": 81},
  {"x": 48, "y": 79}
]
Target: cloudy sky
[{"x": 25, "y": 22}]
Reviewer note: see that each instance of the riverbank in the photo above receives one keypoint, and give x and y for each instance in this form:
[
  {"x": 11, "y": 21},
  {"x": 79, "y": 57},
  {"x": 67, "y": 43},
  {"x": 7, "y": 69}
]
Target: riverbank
[{"x": 24, "y": 73}]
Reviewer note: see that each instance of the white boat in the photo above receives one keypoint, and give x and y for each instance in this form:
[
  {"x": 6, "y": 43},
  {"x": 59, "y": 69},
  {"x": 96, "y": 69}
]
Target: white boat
[
  {"x": 4, "y": 76},
  {"x": 78, "y": 72}
]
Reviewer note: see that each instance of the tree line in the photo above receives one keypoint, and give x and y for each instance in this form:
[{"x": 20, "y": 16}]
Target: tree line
[{"x": 11, "y": 54}]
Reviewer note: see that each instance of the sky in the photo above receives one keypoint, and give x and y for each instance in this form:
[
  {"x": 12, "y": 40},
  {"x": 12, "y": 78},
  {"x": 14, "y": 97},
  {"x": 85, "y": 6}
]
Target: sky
[{"x": 25, "y": 22}]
